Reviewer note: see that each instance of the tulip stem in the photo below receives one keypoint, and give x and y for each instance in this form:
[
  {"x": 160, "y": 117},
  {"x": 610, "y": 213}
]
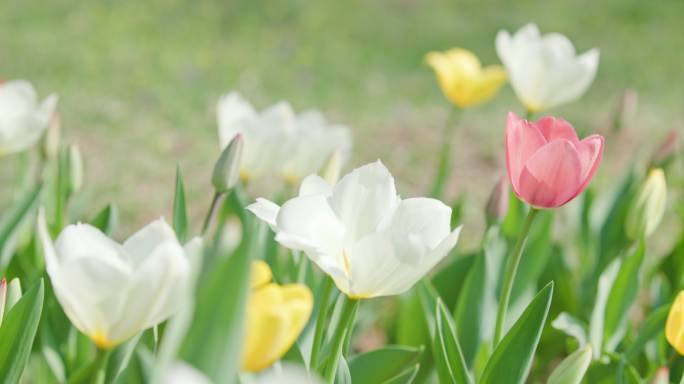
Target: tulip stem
[
  {"x": 444, "y": 159},
  {"x": 321, "y": 320},
  {"x": 95, "y": 372},
  {"x": 529, "y": 115},
  {"x": 345, "y": 326},
  {"x": 212, "y": 210},
  {"x": 509, "y": 277}
]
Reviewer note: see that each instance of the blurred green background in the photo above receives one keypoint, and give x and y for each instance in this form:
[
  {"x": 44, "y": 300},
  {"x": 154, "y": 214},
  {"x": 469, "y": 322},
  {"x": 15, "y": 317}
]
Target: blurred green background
[{"x": 138, "y": 82}]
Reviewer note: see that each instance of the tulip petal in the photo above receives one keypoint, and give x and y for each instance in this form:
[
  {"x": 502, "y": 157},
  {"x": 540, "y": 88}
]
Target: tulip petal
[
  {"x": 554, "y": 128},
  {"x": 260, "y": 274},
  {"x": 265, "y": 210},
  {"x": 362, "y": 198},
  {"x": 232, "y": 111},
  {"x": 674, "y": 327},
  {"x": 314, "y": 185},
  {"x": 551, "y": 176},
  {"x": 371, "y": 264},
  {"x": 590, "y": 152},
  {"x": 523, "y": 139},
  {"x": 144, "y": 242}
]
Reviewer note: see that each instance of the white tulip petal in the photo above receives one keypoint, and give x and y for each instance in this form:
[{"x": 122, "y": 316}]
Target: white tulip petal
[
  {"x": 144, "y": 242},
  {"x": 314, "y": 185},
  {"x": 311, "y": 219},
  {"x": 362, "y": 198},
  {"x": 232, "y": 111},
  {"x": 265, "y": 210}
]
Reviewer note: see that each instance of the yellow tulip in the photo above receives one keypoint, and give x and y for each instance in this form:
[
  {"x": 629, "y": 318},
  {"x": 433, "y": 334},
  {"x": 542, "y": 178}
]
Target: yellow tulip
[
  {"x": 462, "y": 79},
  {"x": 674, "y": 328},
  {"x": 276, "y": 315}
]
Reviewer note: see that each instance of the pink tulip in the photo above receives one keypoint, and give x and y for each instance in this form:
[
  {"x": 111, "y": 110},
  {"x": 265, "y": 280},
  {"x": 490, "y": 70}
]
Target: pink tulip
[{"x": 547, "y": 164}]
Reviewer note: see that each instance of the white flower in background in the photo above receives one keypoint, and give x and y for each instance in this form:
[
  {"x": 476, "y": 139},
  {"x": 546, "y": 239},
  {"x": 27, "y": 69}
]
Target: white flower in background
[
  {"x": 184, "y": 373},
  {"x": 22, "y": 119},
  {"x": 545, "y": 71},
  {"x": 277, "y": 141},
  {"x": 370, "y": 241},
  {"x": 311, "y": 144},
  {"x": 111, "y": 292}
]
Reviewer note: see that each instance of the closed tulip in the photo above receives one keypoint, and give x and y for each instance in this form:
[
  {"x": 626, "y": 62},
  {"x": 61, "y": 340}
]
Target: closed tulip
[
  {"x": 674, "y": 327},
  {"x": 113, "y": 291},
  {"x": 22, "y": 119},
  {"x": 547, "y": 164},
  {"x": 648, "y": 207},
  {"x": 462, "y": 78},
  {"x": 545, "y": 71},
  {"x": 276, "y": 315},
  {"x": 277, "y": 141},
  {"x": 371, "y": 242}
]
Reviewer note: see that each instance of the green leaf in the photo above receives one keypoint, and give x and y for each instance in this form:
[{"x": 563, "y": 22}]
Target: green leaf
[
  {"x": 652, "y": 326},
  {"x": 382, "y": 364},
  {"x": 572, "y": 369},
  {"x": 622, "y": 296},
  {"x": 17, "y": 333},
  {"x": 596, "y": 325},
  {"x": 511, "y": 360},
  {"x": 107, "y": 219},
  {"x": 449, "y": 280},
  {"x": 572, "y": 327},
  {"x": 476, "y": 306},
  {"x": 612, "y": 238},
  {"x": 451, "y": 366},
  {"x": 342, "y": 376},
  {"x": 407, "y": 376},
  {"x": 11, "y": 223},
  {"x": 180, "y": 214},
  {"x": 537, "y": 251},
  {"x": 214, "y": 341}
]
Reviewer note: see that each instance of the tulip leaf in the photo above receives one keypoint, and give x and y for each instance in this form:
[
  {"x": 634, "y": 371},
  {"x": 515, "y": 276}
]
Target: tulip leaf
[
  {"x": 180, "y": 214},
  {"x": 622, "y": 296},
  {"x": 214, "y": 341},
  {"x": 537, "y": 252},
  {"x": 382, "y": 364},
  {"x": 572, "y": 327},
  {"x": 451, "y": 278},
  {"x": 476, "y": 307},
  {"x": 107, "y": 219},
  {"x": 596, "y": 325},
  {"x": 342, "y": 375},
  {"x": 11, "y": 223},
  {"x": 572, "y": 369},
  {"x": 652, "y": 326},
  {"x": 449, "y": 360},
  {"x": 17, "y": 333},
  {"x": 511, "y": 360},
  {"x": 407, "y": 376},
  {"x": 612, "y": 237}
]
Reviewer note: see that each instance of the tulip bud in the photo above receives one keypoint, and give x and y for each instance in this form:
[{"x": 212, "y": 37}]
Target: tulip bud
[
  {"x": 50, "y": 147},
  {"x": 666, "y": 151},
  {"x": 648, "y": 207},
  {"x": 12, "y": 294},
  {"x": 333, "y": 166},
  {"x": 674, "y": 326},
  {"x": 497, "y": 204},
  {"x": 75, "y": 168},
  {"x": 625, "y": 110},
  {"x": 227, "y": 168}
]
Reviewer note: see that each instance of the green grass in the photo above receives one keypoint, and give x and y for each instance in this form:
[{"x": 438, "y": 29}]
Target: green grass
[{"x": 138, "y": 80}]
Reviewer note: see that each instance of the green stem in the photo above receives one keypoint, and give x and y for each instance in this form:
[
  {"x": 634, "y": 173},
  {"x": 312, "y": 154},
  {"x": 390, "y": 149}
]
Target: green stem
[
  {"x": 444, "y": 159},
  {"x": 321, "y": 321},
  {"x": 95, "y": 372},
  {"x": 212, "y": 210},
  {"x": 344, "y": 326},
  {"x": 529, "y": 115},
  {"x": 509, "y": 276}
]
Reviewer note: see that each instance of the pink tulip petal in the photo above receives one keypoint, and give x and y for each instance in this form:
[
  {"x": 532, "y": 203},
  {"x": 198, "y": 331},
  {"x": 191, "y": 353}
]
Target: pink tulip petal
[
  {"x": 523, "y": 139},
  {"x": 554, "y": 128},
  {"x": 551, "y": 176},
  {"x": 590, "y": 152}
]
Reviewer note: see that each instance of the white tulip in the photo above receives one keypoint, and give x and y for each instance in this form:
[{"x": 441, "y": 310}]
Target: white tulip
[
  {"x": 360, "y": 232},
  {"x": 22, "y": 119},
  {"x": 545, "y": 71},
  {"x": 113, "y": 291},
  {"x": 184, "y": 373},
  {"x": 277, "y": 141}
]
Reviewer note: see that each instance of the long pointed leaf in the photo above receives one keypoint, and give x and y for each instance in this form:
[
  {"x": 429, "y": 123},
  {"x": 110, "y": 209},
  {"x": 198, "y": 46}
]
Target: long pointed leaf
[
  {"x": 180, "y": 214},
  {"x": 451, "y": 366}
]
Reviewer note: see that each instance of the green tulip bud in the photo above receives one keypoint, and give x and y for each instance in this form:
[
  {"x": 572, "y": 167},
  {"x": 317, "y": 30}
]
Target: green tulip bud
[
  {"x": 227, "y": 168},
  {"x": 50, "y": 143},
  {"x": 572, "y": 369},
  {"x": 75, "y": 168},
  {"x": 9, "y": 295},
  {"x": 648, "y": 207},
  {"x": 332, "y": 167}
]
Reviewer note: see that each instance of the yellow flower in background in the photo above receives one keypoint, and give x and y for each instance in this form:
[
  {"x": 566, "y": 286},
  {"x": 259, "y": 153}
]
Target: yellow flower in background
[
  {"x": 276, "y": 315},
  {"x": 674, "y": 328},
  {"x": 462, "y": 78}
]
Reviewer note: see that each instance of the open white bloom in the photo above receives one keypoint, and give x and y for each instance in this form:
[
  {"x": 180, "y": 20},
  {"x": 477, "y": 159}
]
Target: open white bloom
[
  {"x": 276, "y": 140},
  {"x": 113, "y": 291},
  {"x": 22, "y": 119},
  {"x": 545, "y": 71},
  {"x": 370, "y": 241}
]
